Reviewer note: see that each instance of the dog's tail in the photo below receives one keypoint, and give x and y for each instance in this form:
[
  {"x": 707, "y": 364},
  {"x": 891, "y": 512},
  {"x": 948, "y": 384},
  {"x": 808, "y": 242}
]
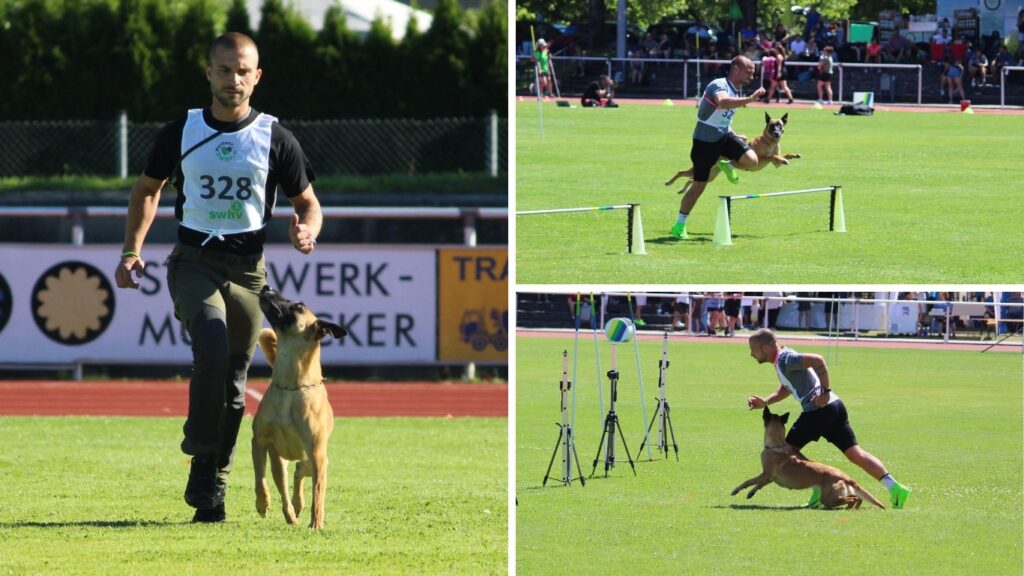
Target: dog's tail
[
  {"x": 864, "y": 494},
  {"x": 268, "y": 343}
]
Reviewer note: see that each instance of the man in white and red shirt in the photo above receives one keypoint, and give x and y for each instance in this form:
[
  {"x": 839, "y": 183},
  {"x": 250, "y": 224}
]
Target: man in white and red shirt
[{"x": 805, "y": 378}]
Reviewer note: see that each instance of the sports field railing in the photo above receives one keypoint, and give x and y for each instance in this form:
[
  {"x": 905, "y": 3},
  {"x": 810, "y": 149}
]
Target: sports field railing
[
  {"x": 694, "y": 82},
  {"x": 78, "y": 215},
  {"x": 357, "y": 147},
  {"x": 948, "y": 310}
]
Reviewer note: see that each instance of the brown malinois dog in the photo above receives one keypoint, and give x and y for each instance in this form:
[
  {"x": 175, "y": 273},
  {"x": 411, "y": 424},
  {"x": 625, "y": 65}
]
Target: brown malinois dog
[
  {"x": 294, "y": 420},
  {"x": 766, "y": 146},
  {"x": 787, "y": 468}
]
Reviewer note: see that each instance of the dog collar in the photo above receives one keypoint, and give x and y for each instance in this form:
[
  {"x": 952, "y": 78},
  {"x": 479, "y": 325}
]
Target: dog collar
[{"x": 306, "y": 387}]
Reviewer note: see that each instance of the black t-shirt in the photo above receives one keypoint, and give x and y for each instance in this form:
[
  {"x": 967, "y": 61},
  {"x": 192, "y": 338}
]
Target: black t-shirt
[
  {"x": 591, "y": 92},
  {"x": 289, "y": 168}
]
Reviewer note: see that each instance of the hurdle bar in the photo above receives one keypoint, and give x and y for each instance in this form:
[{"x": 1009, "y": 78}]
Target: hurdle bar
[
  {"x": 634, "y": 222},
  {"x": 723, "y": 220}
]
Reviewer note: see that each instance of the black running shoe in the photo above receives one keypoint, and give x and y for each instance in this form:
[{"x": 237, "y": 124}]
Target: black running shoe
[
  {"x": 203, "y": 491},
  {"x": 210, "y": 515}
]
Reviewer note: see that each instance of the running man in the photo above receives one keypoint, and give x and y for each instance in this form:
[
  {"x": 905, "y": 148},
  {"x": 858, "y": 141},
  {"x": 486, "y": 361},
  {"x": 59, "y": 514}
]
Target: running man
[
  {"x": 230, "y": 160},
  {"x": 713, "y": 136},
  {"x": 805, "y": 377}
]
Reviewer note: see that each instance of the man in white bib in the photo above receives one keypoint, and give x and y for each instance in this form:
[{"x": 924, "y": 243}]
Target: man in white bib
[{"x": 228, "y": 161}]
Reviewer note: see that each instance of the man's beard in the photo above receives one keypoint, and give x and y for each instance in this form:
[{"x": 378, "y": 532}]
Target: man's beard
[{"x": 228, "y": 100}]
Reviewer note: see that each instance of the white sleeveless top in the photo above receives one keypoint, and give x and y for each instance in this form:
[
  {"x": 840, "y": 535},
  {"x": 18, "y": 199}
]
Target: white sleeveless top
[{"x": 226, "y": 178}]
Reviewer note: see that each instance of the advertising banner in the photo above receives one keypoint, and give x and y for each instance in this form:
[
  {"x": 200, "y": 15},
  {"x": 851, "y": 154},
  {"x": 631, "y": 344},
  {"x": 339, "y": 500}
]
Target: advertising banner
[
  {"x": 473, "y": 309},
  {"x": 59, "y": 304}
]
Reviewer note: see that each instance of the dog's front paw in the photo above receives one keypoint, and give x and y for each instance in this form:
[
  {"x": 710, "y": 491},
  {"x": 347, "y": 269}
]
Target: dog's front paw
[
  {"x": 751, "y": 493},
  {"x": 735, "y": 491},
  {"x": 794, "y": 156}
]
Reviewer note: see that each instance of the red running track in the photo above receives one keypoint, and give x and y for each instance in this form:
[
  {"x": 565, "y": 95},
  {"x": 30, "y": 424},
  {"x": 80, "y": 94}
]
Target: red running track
[{"x": 170, "y": 398}]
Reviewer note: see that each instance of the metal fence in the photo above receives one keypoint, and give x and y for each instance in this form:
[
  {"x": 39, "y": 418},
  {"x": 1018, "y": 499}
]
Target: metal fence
[
  {"x": 676, "y": 78},
  {"x": 334, "y": 147}
]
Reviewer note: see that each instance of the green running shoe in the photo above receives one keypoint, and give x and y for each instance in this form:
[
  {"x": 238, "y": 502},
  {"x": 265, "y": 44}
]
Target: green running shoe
[
  {"x": 679, "y": 230},
  {"x": 729, "y": 171},
  {"x": 640, "y": 322},
  {"x": 815, "y": 501},
  {"x": 898, "y": 495}
]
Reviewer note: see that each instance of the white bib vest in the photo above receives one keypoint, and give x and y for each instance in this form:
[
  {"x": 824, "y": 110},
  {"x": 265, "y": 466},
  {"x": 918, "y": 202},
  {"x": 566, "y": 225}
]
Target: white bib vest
[{"x": 225, "y": 184}]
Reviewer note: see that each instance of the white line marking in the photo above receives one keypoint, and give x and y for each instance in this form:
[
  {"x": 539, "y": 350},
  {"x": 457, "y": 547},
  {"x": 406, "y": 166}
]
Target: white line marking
[{"x": 256, "y": 395}]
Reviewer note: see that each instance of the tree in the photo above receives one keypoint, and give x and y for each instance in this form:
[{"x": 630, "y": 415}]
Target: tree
[{"x": 238, "y": 18}]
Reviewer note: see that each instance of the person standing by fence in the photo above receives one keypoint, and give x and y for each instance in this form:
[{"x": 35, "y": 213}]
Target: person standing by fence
[{"x": 229, "y": 160}]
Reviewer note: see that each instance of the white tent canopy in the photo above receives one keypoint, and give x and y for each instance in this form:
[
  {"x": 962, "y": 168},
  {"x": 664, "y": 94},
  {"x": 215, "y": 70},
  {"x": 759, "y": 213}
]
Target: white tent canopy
[{"x": 358, "y": 14}]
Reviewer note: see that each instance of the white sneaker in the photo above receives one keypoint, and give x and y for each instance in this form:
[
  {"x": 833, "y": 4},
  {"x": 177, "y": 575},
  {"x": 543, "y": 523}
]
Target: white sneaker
[{"x": 678, "y": 326}]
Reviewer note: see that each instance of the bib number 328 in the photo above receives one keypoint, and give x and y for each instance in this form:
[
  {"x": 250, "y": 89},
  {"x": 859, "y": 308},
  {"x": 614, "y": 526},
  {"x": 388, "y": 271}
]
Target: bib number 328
[{"x": 231, "y": 188}]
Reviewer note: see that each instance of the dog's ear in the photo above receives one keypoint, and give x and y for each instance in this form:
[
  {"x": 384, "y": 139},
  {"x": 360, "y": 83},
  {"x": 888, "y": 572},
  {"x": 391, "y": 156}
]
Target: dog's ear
[
  {"x": 323, "y": 328},
  {"x": 767, "y": 118},
  {"x": 784, "y": 418},
  {"x": 785, "y": 118},
  {"x": 766, "y": 414}
]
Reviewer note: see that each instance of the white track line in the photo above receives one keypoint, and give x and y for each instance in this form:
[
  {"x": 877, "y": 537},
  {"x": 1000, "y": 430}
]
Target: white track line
[{"x": 256, "y": 395}]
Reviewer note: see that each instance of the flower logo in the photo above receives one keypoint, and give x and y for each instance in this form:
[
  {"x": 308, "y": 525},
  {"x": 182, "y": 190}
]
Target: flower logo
[{"x": 73, "y": 303}]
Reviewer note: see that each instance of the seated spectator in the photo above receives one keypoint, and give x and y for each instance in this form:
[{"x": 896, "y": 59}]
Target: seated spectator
[
  {"x": 992, "y": 43},
  {"x": 748, "y": 32},
  {"x": 977, "y": 67},
  {"x": 941, "y": 37},
  {"x": 797, "y": 46},
  {"x": 898, "y": 48},
  {"x": 874, "y": 52},
  {"x": 649, "y": 46},
  {"x": 599, "y": 94},
  {"x": 1003, "y": 58},
  {"x": 664, "y": 46},
  {"x": 812, "y": 53},
  {"x": 952, "y": 77},
  {"x": 780, "y": 34}
]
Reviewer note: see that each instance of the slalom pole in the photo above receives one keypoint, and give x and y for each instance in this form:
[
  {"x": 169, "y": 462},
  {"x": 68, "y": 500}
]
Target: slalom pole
[
  {"x": 536, "y": 82},
  {"x": 575, "y": 359},
  {"x": 639, "y": 374},
  {"x": 597, "y": 355}
]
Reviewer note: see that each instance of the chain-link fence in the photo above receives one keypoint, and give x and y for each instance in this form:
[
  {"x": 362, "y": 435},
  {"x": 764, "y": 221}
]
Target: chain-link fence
[{"x": 334, "y": 147}]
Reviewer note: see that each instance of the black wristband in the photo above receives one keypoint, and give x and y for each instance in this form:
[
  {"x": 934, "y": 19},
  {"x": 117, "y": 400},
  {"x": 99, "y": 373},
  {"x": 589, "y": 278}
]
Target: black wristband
[{"x": 826, "y": 390}]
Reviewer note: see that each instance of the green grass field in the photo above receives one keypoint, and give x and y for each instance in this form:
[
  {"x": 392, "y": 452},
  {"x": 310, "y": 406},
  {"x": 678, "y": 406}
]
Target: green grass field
[
  {"x": 104, "y": 496},
  {"x": 928, "y": 197},
  {"x": 948, "y": 424}
]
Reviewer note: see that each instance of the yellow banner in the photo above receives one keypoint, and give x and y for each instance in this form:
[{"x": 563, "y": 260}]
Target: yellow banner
[{"x": 472, "y": 323}]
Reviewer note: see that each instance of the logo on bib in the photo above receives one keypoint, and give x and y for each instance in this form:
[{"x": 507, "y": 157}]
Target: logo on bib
[
  {"x": 234, "y": 212},
  {"x": 226, "y": 151}
]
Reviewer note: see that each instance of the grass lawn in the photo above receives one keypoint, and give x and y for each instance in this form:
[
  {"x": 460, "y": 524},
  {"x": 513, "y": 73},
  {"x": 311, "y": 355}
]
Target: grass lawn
[
  {"x": 928, "y": 197},
  {"x": 947, "y": 424},
  {"x": 104, "y": 496}
]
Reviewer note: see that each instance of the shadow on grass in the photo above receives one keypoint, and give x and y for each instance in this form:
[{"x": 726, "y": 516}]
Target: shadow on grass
[
  {"x": 671, "y": 240},
  {"x": 761, "y": 507},
  {"x": 91, "y": 524}
]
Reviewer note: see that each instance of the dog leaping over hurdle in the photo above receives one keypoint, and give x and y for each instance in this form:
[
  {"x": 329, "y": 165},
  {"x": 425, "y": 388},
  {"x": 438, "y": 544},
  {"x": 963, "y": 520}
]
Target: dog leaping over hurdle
[{"x": 765, "y": 146}]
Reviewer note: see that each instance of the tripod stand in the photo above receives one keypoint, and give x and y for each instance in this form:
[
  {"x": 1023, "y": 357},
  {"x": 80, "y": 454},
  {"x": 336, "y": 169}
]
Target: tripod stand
[
  {"x": 662, "y": 413},
  {"x": 565, "y": 437},
  {"x": 611, "y": 423}
]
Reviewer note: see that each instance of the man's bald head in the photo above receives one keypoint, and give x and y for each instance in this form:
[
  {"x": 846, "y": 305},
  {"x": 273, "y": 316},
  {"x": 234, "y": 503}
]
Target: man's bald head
[
  {"x": 235, "y": 41},
  {"x": 741, "y": 61},
  {"x": 741, "y": 70},
  {"x": 762, "y": 337}
]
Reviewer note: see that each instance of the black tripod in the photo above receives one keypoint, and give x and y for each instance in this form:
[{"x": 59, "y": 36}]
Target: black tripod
[
  {"x": 611, "y": 423},
  {"x": 662, "y": 414},
  {"x": 565, "y": 437}
]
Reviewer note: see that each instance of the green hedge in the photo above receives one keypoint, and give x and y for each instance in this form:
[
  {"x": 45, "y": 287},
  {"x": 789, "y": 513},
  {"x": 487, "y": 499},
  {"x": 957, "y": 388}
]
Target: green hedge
[{"x": 92, "y": 58}]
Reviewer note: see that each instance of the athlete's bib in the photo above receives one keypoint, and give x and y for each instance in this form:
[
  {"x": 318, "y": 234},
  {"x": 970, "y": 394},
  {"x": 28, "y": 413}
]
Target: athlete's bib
[{"x": 226, "y": 178}]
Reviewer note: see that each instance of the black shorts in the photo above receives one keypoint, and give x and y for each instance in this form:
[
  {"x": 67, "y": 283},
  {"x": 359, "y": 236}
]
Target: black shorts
[
  {"x": 824, "y": 77},
  {"x": 732, "y": 307},
  {"x": 704, "y": 155},
  {"x": 831, "y": 422}
]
